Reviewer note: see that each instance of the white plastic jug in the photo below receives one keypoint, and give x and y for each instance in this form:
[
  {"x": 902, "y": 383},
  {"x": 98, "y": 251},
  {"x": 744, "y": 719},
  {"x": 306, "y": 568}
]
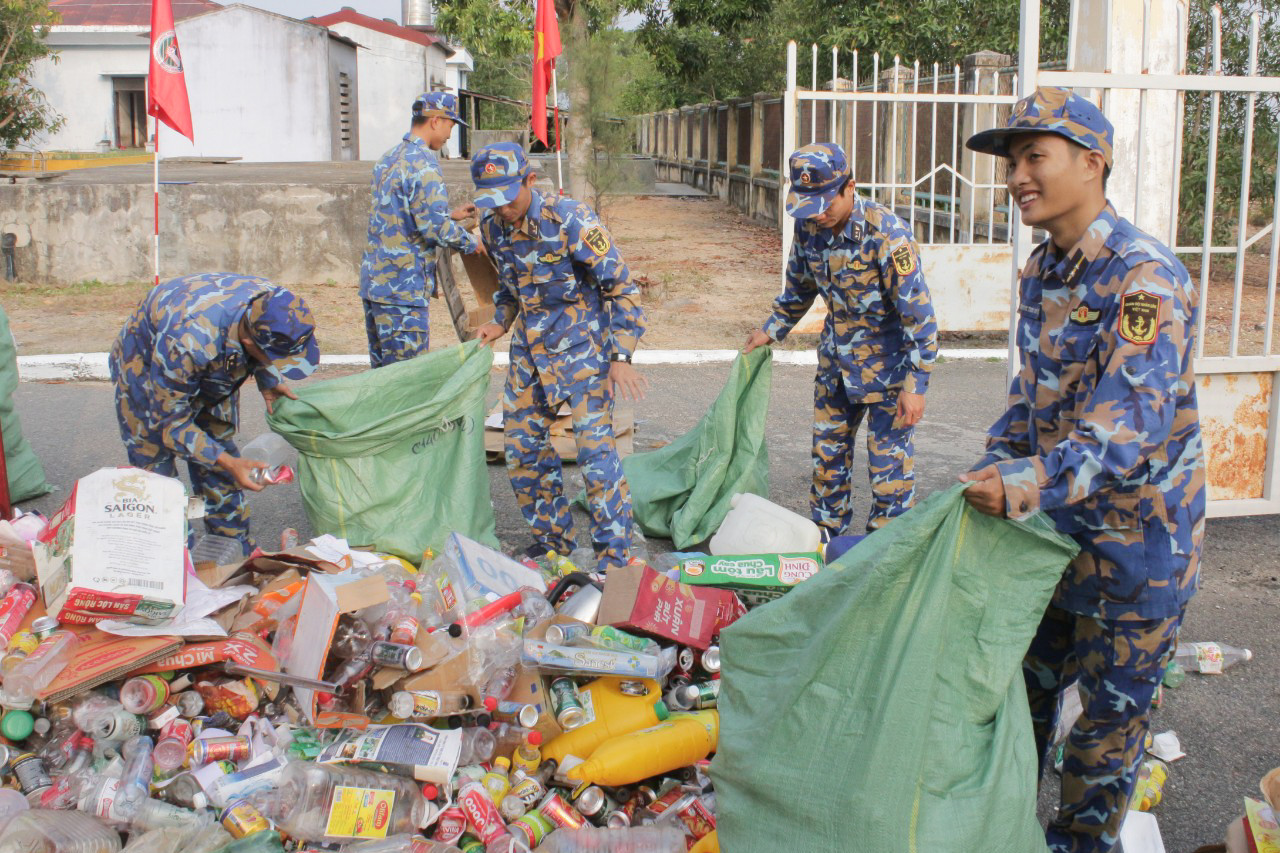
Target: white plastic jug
[{"x": 757, "y": 526}]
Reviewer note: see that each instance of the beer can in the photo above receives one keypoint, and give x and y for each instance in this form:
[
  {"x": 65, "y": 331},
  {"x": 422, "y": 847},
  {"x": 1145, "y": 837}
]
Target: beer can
[
  {"x": 564, "y": 699},
  {"x": 557, "y": 809},
  {"x": 210, "y": 749},
  {"x": 532, "y": 828},
  {"x": 710, "y": 660},
  {"x": 592, "y": 802},
  {"x": 700, "y": 696},
  {"x": 516, "y": 712},
  {"x": 240, "y": 818},
  {"x": 31, "y": 773},
  {"x": 44, "y": 626},
  {"x": 695, "y": 815},
  {"x": 621, "y": 817},
  {"x": 450, "y": 825},
  {"x": 396, "y": 655},
  {"x": 119, "y": 725},
  {"x": 563, "y": 634}
]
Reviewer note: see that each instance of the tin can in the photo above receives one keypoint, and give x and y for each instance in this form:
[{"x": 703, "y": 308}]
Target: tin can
[
  {"x": 516, "y": 712},
  {"x": 396, "y": 655},
  {"x": 563, "y": 634},
  {"x": 695, "y": 815},
  {"x": 710, "y": 660},
  {"x": 240, "y": 818},
  {"x": 450, "y": 825},
  {"x": 44, "y": 626},
  {"x": 592, "y": 802},
  {"x": 568, "y": 708},
  {"x": 685, "y": 659},
  {"x": 557, "y": 809},
  {"x": 31, "y": 773},
  {"x": 532, "y": 828},
  {"x": 210, "y": 749}
]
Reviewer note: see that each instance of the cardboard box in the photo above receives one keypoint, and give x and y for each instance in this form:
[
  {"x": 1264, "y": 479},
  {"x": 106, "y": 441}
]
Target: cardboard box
[
  {"x": 101, "y": 658},
  {"x": 561, "y": 433},
  {"x": 756, "y": 578},
  {"x": 637, "y": 598},
  {"x": 116, "y": 549},
  {"x": 323, "y": 600}
]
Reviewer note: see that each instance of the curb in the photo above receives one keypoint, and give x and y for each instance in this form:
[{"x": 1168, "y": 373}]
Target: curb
[{"x": 92, "y": 366}]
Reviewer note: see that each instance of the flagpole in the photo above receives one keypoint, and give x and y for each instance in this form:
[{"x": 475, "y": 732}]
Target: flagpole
[
  {"x": 155, "y": 186},
  {"x": 555, "y": 100}
]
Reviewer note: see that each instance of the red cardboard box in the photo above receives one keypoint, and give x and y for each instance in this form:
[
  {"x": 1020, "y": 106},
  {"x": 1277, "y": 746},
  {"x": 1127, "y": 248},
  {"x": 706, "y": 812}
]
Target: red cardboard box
[{"x": 637, "y": 598}]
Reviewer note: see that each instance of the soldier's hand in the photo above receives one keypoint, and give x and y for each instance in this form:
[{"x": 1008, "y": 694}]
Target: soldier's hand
[
  {"x": 488, "y": 333},
  {"x": 463, "y": 211},
  {"x": 986, "y": 495},
  {"x": 910, "y": 409},
  {"x": 625, "y": 381},
  {"x": 241, "y": 470},
  {"x": 758, "y": 338},
  {"x": 270, "y": 395}
]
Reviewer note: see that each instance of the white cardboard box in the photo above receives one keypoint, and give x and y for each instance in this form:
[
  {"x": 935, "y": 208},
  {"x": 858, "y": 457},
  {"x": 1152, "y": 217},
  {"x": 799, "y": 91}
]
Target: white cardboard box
[{"x": 116, "y": 549}]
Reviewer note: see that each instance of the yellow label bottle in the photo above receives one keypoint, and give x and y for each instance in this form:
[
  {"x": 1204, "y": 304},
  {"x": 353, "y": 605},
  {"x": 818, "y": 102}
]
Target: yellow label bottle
[
  {"x": 678, "y": 742},
  {"x": 614, "y": 706}
]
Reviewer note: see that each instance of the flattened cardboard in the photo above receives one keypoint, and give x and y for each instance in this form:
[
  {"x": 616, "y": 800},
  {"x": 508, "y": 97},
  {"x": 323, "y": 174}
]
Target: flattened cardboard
[{"x": 101, "y": 658}]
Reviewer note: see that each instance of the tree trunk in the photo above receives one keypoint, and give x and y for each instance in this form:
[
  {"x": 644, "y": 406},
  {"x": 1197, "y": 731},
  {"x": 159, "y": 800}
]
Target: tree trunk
[{"x": 578, "y": 144}]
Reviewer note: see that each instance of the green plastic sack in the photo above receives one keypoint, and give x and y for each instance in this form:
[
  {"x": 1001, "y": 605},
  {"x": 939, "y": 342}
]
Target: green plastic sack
[
  {"x": 394, "y": 457},
  {"x": 682, "y": 491},
  {"x": 880, "y": 705},
  {"x": 26, "y": 475}
]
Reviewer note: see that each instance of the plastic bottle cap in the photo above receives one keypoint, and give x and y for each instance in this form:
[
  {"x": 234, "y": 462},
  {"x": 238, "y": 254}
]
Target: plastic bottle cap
[
  {"x": 661, "y": 710},
  {"x": 535, "y": 738},
  {"x": 430, "y": 791},
  {"x": 490, "y": 704},
  {"x": 454, "y": 630},
  {"x": 17, "y": 725},
  {"x": 502, "y": 761}
]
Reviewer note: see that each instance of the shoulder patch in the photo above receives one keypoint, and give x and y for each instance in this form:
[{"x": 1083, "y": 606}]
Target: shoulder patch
[
  {"x": 904, "y": 260},
  {"x": 1139, "y": 317},
  {"x": 597, "y": 240}
]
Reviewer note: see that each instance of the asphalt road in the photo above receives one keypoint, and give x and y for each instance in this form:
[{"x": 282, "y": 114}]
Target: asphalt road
[{"x": 1229, "y": 725}]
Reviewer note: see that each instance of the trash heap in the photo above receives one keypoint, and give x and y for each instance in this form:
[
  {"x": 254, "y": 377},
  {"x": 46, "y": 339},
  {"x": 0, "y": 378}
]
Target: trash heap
[{"x": 324, "y": 697}]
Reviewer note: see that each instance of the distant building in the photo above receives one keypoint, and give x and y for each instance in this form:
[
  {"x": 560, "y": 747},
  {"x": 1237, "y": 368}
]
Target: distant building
[
  {"x": 397, "y": 64},
  {"x": 262, "y": 86}
]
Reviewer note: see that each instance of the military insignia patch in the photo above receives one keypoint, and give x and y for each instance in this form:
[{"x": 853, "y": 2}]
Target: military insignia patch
[
  {"x": 1082, "y": 316},
  {"x": 904, "y": 260},
  {"x": 490, "y": 168},
  {"x": 597, "y": 240},
  {"x": 1139, "y": 317}
]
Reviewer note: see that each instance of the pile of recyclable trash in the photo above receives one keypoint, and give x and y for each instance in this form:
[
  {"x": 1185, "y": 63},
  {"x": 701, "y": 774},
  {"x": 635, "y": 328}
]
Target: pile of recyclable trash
[{"x": 324, "y": 697}]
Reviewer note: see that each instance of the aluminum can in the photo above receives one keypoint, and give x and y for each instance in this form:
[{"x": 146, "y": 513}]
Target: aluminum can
[
  {"x": 210, "y": 749},
  {"x": 240, "y": 818},
  {"x": 31, "y": 773},
  {"x": 564, "y": 699},
  {"x": 450, "y": 825},
  {"x": 558, "y": 810},
  {"x": 396, "y": 655},
  {"x": 563, "y": 634},
  {"x": 532, "y": 828}
]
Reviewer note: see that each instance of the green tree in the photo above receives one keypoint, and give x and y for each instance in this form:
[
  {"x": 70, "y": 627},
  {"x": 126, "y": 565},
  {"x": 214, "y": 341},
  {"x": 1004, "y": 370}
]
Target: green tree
[
  {"x": 24, "y": 111},
  {"x": 499, "y": 34}
]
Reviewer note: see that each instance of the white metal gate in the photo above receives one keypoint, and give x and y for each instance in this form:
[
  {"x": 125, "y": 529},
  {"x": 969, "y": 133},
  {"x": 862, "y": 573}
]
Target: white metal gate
[{"x": 1129, "y": 56}]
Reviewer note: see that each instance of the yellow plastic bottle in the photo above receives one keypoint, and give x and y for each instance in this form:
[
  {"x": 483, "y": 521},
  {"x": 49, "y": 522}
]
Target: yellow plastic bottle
[
  {"x": 678, "y": 742},
  {"x": 617, "y": 712},
  {"x": 709, "y": 843}
]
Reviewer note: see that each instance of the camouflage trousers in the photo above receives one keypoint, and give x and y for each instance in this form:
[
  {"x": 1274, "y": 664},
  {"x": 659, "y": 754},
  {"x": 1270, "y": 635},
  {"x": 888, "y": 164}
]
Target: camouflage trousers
[
  {"x": 395, "y": 332},
  {"x": 890, "y": 458},
  {"x": 1119, "y": 665},
  {"x": 536, "y": 475},
  {"x": 226, "y": 510}
]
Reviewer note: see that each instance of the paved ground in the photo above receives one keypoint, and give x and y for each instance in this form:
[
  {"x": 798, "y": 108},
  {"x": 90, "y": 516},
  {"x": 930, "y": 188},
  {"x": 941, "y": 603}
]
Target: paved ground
[{"x": 1228, "y": 725}]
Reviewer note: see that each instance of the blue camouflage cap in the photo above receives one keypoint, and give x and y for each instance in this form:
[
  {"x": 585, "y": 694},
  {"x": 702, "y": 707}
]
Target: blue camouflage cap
[
  {"x": 498, "y": 171},
  {"x": 437, "y": 104},
  {"x": 1050, "y": 110},
  {"x": 818, "y": 172},
  {"x": 280, "y": 322}
]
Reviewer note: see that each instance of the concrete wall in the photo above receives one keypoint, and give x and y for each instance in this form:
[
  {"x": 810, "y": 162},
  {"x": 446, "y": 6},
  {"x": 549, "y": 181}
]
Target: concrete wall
[
  {"x": 258, "y": 85},
  {"x": 78, "y": 84}
]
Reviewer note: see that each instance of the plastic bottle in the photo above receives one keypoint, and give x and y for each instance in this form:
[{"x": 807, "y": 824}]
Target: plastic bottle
[
  {"x": 617, "y": 712},
  {"x": 636, "y": 839},
  {"x": 498, "y": 780},
  {"x": 156, "y": 814},
  {"x": 757, "y": 526},
  {"x": 1209, "y": 658},
  {"x": 526, "y": 790},
  {"x": 400, "y": 621},
  {"x": 22, "y": 644},
  {"x": 7, "y": 581},
  {"x": 38, "y": 669},
  {"x": 428, "y": 704},
  {"x": 45, "y": 831},
  {"x": 1148, "y": 790},
  {"x": 14, "y": 608},
  {"x": 274, "y": 454},
  {"x": 527, "y": 756},
  {"x": 485, "y": 819},
  {"x": 676, "y": 743},
  {"x": 311, "y": 800},
  {"x": 478, "y": 746},
  {"x": 351, "y": 638},
  {"x": 138, "y": 769},
  {"x": 144, "y": 694},
  {"x": 400, "y": 844},
  {"x": 171, "y": 749}
]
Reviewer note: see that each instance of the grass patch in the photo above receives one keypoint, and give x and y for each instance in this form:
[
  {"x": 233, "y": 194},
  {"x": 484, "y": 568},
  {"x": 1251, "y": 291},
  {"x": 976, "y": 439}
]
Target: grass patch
[{"x": 80, "y": 288}]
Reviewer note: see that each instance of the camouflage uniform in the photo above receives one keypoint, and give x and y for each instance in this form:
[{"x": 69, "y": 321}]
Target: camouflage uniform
[
  {"x": 879, "y": 338},
  {"x": 408, "y": 221},
  {"x": 178, "y": 365},
  {"x": 570, "y": 296},
  {"x": 1103, "y": 434}
]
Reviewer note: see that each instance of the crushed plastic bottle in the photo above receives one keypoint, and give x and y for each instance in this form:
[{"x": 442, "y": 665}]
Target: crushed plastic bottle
[
  {"x": 641, "y": 839},
  {"x": 1209, "y": 658}
]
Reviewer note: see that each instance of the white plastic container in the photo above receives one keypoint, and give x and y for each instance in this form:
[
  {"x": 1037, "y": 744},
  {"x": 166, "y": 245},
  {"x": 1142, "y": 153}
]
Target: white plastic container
[
  {"x": 757, "y": 526},
  {"x": 270, "y": 449}
]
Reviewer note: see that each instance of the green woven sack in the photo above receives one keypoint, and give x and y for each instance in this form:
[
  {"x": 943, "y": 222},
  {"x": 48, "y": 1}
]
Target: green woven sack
[{"x": 26, "y": 475}]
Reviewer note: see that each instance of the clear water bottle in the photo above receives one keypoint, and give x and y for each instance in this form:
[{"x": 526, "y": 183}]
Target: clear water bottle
[
  {"x": 38, "y": 669},
  {"x": 314, "y": 800},
  {"x": 478, "y": 745},
  {"x": 1209, "y": 658},
  {"x": 135, "y": 785},
  {"x": 636, "y": 839},
  {"x": 46, "y": 831}
]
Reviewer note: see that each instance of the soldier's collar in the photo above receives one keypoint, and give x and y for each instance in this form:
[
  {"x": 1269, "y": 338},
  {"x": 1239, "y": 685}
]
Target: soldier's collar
[
  {"x": 1071, "y": 267},
  {"x": 856, "y": 225}
]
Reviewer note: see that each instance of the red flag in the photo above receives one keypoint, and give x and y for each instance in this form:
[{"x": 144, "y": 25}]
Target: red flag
[
  {"x": 546, "y": 47},
  {"x": 166, "y": 85}
]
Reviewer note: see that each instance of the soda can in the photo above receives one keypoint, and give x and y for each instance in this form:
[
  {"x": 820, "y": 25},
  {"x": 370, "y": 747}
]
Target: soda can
[
  {"x": 685, "y": 659},
  {"x": 210, "y": 749},
  {"x": 592, "y": 802},
  {"x": 396, "y": 655},
  {"x": 564, "y": 699},
  {"x": 633, "y": 688},
  {"x": 272, "y": 476},
  {"x": 516, "y": 712},
  {"x": 470, "y": 844},
  {"x": 557, "y": 809},
  {"x": 14, "y": 608},
  {"x": 450, "y": 825},
  {"x": 710, "y": 660},
  {"x": 621, "y": 817},
  {"x": 32, "y": 776},
  {"x": 119, "y": 725},
  {"x": 563, "y": 634},
  {"x": 532, "y": 828},
  {"x": 695, "y": 815},
  {"x": 240, "y": 819}
]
